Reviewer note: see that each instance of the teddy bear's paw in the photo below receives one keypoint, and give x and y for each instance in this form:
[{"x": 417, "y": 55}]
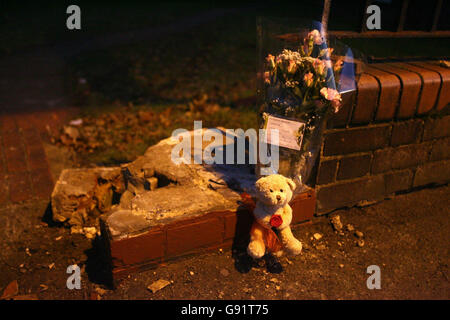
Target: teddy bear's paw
[
  {"x": 294, "y": 247},
  {"x": 256, "y": 250}
]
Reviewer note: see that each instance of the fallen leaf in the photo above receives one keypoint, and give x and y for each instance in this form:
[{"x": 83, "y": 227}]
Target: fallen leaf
[
  {"x": 224, "y": 272},
  {"x": 50, "y": 266},
  {"x": 100, "y": 291},
  {"x": 11, "y": 290},
  {"x": 158, "y": 285},
  {"x": 58, "y": 238}
]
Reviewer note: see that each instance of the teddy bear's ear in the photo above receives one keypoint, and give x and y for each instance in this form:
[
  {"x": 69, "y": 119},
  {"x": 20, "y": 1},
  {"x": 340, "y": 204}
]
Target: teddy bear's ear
[
  {"x": 291, "y": 184},
  {"x": 258, "y": 186}
]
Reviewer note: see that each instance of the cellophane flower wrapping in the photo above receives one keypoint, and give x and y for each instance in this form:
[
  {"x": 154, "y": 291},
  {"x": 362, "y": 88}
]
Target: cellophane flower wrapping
[{"x": 299, "y": 81}]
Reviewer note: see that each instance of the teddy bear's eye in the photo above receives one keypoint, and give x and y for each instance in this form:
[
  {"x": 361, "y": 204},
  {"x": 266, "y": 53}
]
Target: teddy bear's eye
[
  {"x": 271, "y": 190},
  {"x": 281, "y": 190}
]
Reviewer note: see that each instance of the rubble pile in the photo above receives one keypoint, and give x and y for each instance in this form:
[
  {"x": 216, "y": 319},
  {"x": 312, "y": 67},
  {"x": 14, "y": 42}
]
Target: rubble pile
[{"x": 148, "y": 191}]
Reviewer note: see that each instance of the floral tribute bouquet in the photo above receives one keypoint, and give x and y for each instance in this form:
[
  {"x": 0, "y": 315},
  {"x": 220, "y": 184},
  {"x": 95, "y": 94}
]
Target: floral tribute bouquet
[{"x": 300, "y": 87}]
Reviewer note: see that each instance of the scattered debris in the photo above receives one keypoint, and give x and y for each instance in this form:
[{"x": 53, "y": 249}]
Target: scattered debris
[
  {"x": 43, "y": 287},
  {"x": 50, "y": 266},
  {"x": 224, "y": 272},
  {"x": 58, "y": 238},
  {"x": 336, "y": 222},
  {"x": 10, "y": 291},
  {"x": 359, "y": 234},
  {"x": 360, "y": 243},
  {"x": 80, "y": 196},
  {"x": 100, "y": 291},
  {"x": 350, "y": 228},
  {"x": 321, "y": 247},
  {"x": 274, "y": 280},
  {"x": 158, "y": 285},
  {"x": 27, "y": 251},
  {"x": 317, "y": 236},
  {"x": 70, "y": 135}
]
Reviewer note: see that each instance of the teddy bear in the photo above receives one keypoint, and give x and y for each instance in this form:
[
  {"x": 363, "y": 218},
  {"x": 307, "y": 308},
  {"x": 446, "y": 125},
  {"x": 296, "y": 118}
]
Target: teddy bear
[{"x": 272, "y": 211}]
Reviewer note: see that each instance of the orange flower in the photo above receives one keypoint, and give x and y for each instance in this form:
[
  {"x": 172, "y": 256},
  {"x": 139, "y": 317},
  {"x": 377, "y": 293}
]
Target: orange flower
[
  {"x": 292, "y": 67},
  {"x": 319, "y": 66},
  {"x": 271, "y": 60},
  {"x": 308, "y": 78},
  {"x": 316, "y": 36},
  {"x": 338, "y": 65},
  {"x": 267, "y": 77}
]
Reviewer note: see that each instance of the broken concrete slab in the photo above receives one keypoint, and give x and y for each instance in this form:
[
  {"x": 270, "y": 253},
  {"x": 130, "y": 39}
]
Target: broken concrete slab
[
  {"x": 163, "y": 206},
  {"x": 78, "y": 191},
  {"x": 152, "y": 185}
]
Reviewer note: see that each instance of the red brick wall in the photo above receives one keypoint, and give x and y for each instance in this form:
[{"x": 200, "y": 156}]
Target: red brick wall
[{"x": 392, "y": 135}]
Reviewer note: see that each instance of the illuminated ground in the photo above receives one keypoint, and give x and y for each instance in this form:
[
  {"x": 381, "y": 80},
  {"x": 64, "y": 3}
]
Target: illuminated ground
[{"x": 405, "y": 236}]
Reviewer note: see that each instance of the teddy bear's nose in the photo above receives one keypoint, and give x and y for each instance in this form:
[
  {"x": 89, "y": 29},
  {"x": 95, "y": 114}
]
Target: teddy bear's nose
[{"x": 278, "y": 197}]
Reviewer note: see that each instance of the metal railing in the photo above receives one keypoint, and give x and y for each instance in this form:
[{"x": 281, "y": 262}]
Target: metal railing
[{"x": 400, "y": 31}]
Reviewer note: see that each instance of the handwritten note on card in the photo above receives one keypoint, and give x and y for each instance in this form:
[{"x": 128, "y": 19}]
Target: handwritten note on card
[{"x": 290, "y": 132}]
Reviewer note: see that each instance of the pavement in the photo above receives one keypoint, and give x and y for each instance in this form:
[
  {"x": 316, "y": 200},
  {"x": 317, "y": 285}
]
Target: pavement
[{"x": 406, "y": 236}]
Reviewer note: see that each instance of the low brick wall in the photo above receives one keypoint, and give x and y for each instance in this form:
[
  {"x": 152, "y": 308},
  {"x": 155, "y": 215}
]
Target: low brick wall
[
  {"x": 188, "y": 236},
  {"x": 391, "y": 135}
]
